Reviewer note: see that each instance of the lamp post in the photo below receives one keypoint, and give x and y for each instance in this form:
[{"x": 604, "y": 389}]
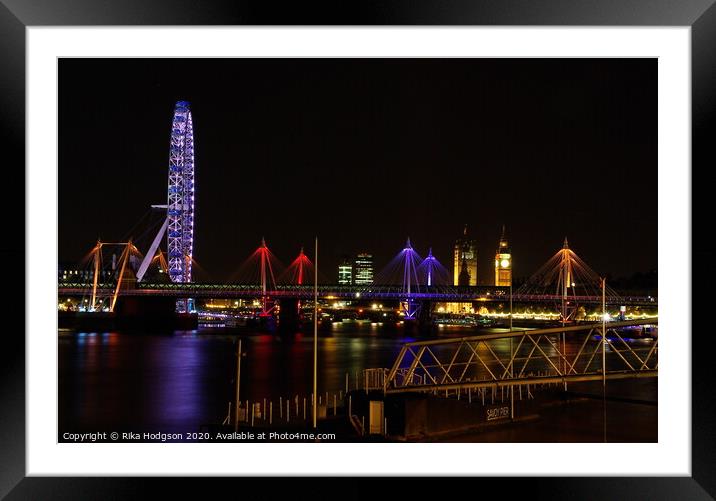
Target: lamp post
[
  {"x": 238, "y": 387},
  {"x": 315, "y": 335},
  {"x": 604, "y": 334},
  {"x": 604, "y": 356},
  {"x": 512, "y": 361}
]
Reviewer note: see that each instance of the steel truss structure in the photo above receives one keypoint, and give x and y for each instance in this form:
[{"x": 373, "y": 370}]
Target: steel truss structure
[
  {"x": 524, "y": 357},
  {"x": 180, "y": 197}
]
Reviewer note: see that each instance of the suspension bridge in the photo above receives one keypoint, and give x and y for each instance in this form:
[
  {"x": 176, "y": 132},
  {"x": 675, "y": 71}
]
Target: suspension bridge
[{"x": 565, "y": 280}]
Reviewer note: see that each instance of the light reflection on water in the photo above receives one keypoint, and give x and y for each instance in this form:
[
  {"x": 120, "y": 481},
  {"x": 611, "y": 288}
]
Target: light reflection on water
[{"x": 180, "y": 381}]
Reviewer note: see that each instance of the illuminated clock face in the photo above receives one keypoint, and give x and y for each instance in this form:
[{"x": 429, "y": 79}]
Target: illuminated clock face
[{"x": 505, "y": 263}]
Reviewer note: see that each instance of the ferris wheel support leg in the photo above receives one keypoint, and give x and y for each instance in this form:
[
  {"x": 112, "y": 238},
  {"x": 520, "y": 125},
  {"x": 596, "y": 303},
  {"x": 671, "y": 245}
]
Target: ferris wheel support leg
[{"x": 152, "y": 251}]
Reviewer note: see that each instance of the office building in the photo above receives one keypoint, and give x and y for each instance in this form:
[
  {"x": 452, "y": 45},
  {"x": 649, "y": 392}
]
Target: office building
[
  {"x": 363, "y": 269},
  {"x": 345, "y": 272}
]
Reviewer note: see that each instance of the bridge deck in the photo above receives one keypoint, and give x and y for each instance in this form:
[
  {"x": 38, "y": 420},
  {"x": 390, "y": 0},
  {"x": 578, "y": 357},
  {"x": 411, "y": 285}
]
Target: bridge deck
[{"x": 389, "y": 292}]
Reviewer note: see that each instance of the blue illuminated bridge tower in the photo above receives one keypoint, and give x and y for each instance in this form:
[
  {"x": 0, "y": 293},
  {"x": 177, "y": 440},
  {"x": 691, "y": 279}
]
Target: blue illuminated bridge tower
[{"x": 411, "y": 262}]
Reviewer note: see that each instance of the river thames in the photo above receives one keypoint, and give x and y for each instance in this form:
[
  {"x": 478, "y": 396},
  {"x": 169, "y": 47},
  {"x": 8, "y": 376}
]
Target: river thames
[{"x": 184, "y": 380}]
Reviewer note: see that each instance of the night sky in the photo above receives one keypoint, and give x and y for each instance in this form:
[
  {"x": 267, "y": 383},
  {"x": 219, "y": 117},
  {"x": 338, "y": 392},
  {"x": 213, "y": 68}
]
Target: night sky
[{"x": 366, "y": 152}]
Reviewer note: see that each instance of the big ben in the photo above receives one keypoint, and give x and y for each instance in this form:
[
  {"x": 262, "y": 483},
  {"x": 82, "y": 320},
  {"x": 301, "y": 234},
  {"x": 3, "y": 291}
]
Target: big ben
[{"x": 503, "y": 262}]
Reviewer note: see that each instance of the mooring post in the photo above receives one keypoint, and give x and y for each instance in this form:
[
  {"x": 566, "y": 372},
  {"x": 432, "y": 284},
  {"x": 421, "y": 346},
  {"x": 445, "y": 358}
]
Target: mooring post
[{"x": 238, "y": 386}]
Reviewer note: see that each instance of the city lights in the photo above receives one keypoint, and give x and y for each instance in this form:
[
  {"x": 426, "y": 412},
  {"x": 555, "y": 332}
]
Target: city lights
[{"x": 379, "y": 344}]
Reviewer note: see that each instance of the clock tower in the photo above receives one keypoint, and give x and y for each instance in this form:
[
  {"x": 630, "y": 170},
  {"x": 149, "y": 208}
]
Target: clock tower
[{"x": 503, "y": 262}]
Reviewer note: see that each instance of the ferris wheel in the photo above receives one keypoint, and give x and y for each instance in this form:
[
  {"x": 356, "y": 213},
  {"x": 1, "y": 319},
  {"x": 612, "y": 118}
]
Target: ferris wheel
[
  {"x": 180, "y": 196},
  {"x": 179, "y": 222}
]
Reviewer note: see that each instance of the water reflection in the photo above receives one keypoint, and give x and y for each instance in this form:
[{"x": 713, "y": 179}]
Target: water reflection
[{"x": 178, "y": 382}]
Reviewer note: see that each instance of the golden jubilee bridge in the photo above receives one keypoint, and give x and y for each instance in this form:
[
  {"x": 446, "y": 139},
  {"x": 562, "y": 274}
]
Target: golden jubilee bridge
[
  {"x": 111, "y": 271},
  {"x": 565, "y": 283},
  {"x": 435, "y": 293}
]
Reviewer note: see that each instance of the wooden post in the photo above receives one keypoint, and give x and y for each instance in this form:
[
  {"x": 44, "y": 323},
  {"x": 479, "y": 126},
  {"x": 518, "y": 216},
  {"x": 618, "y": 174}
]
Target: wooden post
[{"x": 238, "y": 386}]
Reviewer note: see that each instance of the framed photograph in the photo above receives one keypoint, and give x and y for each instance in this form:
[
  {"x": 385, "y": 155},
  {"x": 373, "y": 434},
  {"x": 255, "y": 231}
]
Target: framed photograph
[{"x": 320, "y": 242}]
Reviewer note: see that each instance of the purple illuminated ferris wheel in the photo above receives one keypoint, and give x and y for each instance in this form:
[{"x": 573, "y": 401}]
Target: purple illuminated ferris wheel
[{"x": 180, "y": 198}]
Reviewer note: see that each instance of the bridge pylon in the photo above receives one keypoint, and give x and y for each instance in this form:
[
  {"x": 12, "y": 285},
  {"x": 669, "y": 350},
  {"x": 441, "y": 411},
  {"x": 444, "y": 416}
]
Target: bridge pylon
[
  {"x": 259, "y": 270},
  {"x": 106, "y": 283},
  {"x": 411, "y": 284},
  {"x": 566, "y": 276}
]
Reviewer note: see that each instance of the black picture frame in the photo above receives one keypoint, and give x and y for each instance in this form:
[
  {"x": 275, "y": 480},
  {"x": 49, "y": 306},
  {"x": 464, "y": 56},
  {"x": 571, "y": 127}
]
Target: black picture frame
[{"x": 16, "y": 15}]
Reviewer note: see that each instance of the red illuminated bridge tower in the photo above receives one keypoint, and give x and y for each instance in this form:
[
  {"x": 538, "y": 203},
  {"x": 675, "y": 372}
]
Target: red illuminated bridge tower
[{"x": 266, "y": 271}]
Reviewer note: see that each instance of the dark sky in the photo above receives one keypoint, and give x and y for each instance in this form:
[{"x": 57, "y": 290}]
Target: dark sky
[{"x": 366, "y": 152}]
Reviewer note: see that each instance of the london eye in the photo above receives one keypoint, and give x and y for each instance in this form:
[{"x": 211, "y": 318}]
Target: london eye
[{"x": 180, "y": 197}]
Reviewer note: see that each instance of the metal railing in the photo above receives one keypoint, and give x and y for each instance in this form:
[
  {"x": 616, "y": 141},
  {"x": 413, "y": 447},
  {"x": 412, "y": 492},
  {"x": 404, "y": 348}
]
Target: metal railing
[
  {"x": 374, "y": 379},
  {"x": 523, "y": 357}
]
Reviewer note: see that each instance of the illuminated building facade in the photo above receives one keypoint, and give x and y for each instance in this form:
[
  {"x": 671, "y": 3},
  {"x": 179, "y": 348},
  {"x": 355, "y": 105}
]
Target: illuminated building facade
[
  {"x": 345, "y": 272},
  {"x": 465, "y": 260},
  {"x": 503, "y": 262},
  {"x": 363, "y": 269},
  {"x": 70, "y": 273}
]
